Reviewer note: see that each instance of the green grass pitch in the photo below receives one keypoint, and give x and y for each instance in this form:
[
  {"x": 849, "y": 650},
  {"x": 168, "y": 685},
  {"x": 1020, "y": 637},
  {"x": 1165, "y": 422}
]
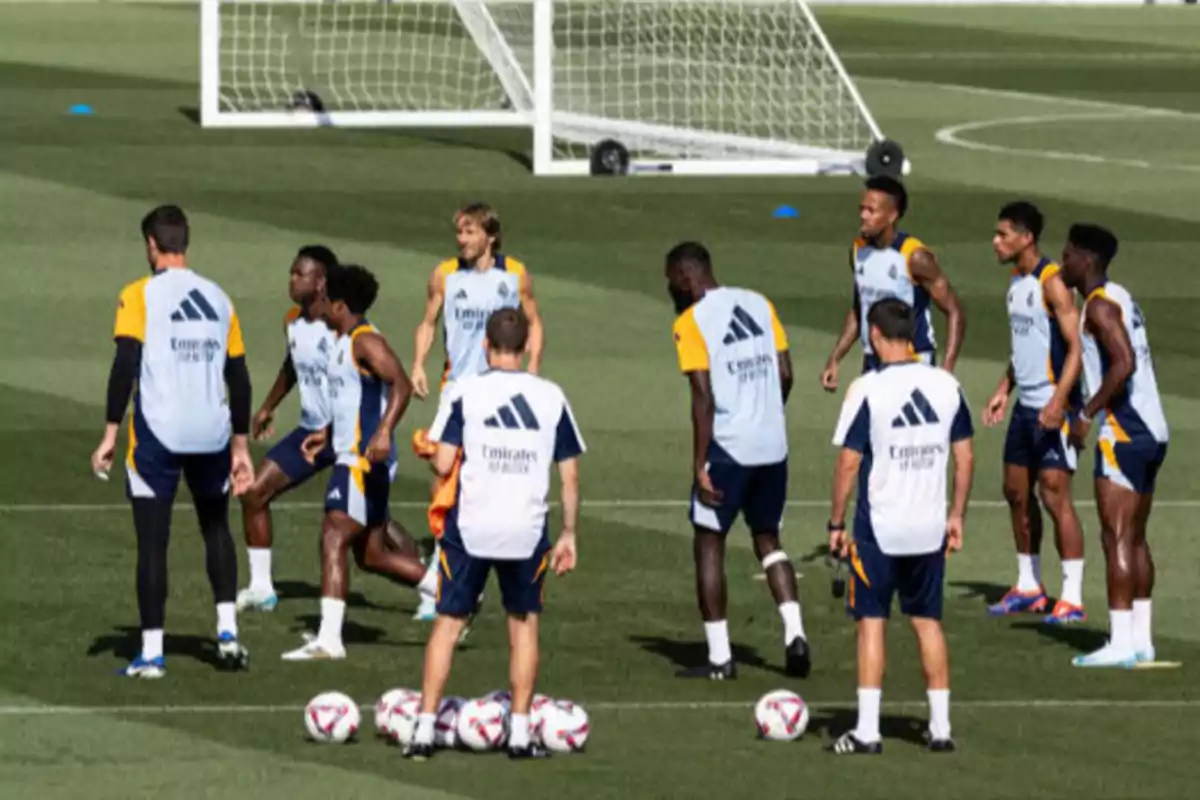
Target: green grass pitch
[{"x": 1093, "y": 114}]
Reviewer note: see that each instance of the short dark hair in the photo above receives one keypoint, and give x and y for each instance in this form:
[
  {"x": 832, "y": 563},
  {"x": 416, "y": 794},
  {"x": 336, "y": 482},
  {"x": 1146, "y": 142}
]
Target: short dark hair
[
  {"x": 353, "y": 285},
  {"x": 1097, "y": 240},
  {"x": 690, "y": 254},
  {"x": 893, "y": 188},
  {"x": 508, "y": 330},
  {"x": 168, "y": 225},
  {"x": 319, "y": 254},
  {"x": 894, "y": 319},
  {"x": 1024, "y": 216}
]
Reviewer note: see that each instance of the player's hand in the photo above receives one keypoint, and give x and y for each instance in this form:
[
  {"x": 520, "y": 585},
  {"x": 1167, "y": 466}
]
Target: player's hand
[
  {"x": 829, "y": 377},
  {"x": 954, "y": 532},
  {"x": 708, "y": 495},
  {"x": 241, "y": 472},
  {"x": 420, "y": 382},
  {"x": 379, "y": 448},
  {"x": 262, "y": 426},
  {"x": 313, "y": 444},
  {"x": 102, "y": 458},
  {"x": 1053, "y": 416},
  {"x": 1080, "y": 428},
  {"x": 839, "y": 543},
  {"x": 563, "y": 556},
  {"x": 993, "y": 412}
]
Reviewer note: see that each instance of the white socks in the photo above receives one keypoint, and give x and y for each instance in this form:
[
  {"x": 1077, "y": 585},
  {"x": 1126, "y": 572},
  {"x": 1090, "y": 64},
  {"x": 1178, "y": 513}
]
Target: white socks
[
  {"x": 1142, "y": 638},
  {"x": 152, "y": 644},
  {"x": 518, "y": 735},
  {"x": 717, "y": 634},
  {"x": 429, "y": 582},
  {"x": 1029, "y": 573},
  {"x": 868, "y": 715},
  {"x": 260, "y": 569},
  {"x": 1120, "y": 624},
  {"x": 333, "y": 612},
  {"x": 793, "y": 625},
  {"x": 227, "y": 618},
  {"x": 424, "y": 732},
  {"x": 939, "y": 713},
  {"x": 1072, "y": 586}
]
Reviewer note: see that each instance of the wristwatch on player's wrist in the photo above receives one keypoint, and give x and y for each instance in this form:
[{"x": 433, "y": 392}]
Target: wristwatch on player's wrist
[{"x": 834, "y": 527}]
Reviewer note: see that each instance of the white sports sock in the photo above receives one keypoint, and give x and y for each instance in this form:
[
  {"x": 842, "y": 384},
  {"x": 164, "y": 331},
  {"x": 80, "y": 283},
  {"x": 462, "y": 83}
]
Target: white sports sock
[
  {"x": 793, "y": 625},
  {"x": 429, "y": 581},
  {"x": 939, "y": 713},
  {"x": 518, "y": 735},
  {"x": 868, "y": 715},
  {"x": 1026, "y": 582},
  {"x": 1072, "y": 586},
  {"x": 1120, "y": 626},
  {"x": 260, "y": 569},
  {"x": 227, "y": 618},
  {"x": 424, "y": 732},
  {"x": 152, "y": 644},
  {"x": 717, "y": 634},
  {"x": 333, "y": 612},
  {"x": 1143, "y": 638}
]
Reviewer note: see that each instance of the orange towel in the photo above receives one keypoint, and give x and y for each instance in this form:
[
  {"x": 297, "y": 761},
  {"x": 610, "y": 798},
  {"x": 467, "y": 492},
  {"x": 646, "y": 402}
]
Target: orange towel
[{"x": 445, "y": 490}]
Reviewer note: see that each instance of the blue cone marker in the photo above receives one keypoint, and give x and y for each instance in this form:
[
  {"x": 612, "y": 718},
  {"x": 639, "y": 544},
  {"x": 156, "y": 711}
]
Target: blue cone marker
[
  {"x": 786, "y": 212},
  {"x": 80, "y": 109}
]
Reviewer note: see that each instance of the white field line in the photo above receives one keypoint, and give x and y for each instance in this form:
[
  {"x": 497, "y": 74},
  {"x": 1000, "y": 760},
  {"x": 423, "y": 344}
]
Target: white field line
[
  {"x": 159, "y": 710},
  {"x": 1064, "y": 56},
  {"x": 39, "y": 508}
]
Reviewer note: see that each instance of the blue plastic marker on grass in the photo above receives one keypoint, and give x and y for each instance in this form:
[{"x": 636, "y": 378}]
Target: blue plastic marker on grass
[
  {"x": 786, "y": 212},
  {"x": 81, "y": 109}
]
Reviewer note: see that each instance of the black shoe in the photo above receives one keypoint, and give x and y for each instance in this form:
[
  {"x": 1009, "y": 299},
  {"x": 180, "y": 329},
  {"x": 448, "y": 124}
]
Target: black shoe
[
  {"x": 530, "y": 750},
  {"x": 848, "y": 745},
  {"x": 713, "y": 672},
  {"x": 418, "y": 751},
  {"x": 939, "y": 745},
  {"x": 799, "y": 658}
]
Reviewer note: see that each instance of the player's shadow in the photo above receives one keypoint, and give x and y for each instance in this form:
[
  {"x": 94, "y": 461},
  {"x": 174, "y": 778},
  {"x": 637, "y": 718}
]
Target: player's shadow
[
  {"x": 126, "y": 644},
  {"x": 833, "y": 724},
  {"x": 989, "y": 592},
  {"x": 303, "y": 590},
  {"x": 1082, "y": 640},
  {"x": 686, "y": 655}
]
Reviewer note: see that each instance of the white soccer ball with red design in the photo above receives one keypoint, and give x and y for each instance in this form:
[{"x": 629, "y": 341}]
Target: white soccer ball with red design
[
  {"x": 331, "y": 718},
  {"x": 565, "y": 727},
  {"x": 385, "y": 704},
  {"x": 501, "y": 696},
  {"x": 483, "y": 724},
  {"x": 445, "y": 729},
  {"x": 537, "y": 715},
  {"x": 401, "y": 724},
  {"x": 781, "y": 716}
]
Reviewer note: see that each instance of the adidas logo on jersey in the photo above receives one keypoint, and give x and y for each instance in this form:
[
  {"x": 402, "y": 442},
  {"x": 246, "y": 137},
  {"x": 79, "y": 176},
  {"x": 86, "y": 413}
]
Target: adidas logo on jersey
[
  {"x": 461, "y": 294},
  {"x": 335, "y": 494},
  {"x": 917, "y": 411},
  {"x": 515, "y": 416},
  {"x": 194, "y": 308},
  {"x": 502, "y": 290},
  {"x": 741, "y": 327}
]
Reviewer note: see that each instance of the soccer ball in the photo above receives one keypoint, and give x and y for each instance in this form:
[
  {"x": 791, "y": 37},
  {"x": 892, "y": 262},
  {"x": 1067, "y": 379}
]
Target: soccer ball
[
  {"x": 331, "y": 718},
  {"x": 483, "y": 724},
  {"x": 383, "y": 708},
  {"x": 401, "y": 724},
  {"x": 565, "y": 727},
  {"x": 537, "y": 715},
  {"x": 781, "y": 716},
  {"x": 445, "y": 729},
  {"x": 501, "y": 696}
]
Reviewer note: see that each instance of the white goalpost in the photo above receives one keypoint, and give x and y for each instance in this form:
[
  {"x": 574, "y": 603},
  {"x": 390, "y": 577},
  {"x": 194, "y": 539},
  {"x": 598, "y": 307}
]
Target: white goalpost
[{"x": 701, "y": 87}]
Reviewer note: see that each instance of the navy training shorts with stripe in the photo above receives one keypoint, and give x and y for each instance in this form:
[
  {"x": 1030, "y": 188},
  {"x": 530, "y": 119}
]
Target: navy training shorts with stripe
[
  {"x": 876, "y": 577},
  {"x": 289, "y": 456}
]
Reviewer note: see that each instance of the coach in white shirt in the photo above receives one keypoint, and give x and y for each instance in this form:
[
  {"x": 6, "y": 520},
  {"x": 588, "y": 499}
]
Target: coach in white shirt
[
  {"x": 511, "y": 428},
  {"x": 898, "y": 427}
]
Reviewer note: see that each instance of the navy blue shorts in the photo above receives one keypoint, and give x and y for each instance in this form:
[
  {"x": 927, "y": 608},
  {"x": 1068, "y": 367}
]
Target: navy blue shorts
[
  {"x": 875, "y": 577},
  {"x": 759, "y": 494},
  {"x": 1028, "y": 444},
  {"x": 290, "y": 458},
  {"x": 1133, "y": 465},
  {"x": 871, "y": 361},
  {"x": 360, "y": 493},
  {"x": 151, "y": 470},
  {"x": 461, "y": 578}
]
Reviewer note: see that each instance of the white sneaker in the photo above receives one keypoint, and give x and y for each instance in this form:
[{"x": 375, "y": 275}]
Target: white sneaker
[
  {"x": 427, "y": 611},
  {"x": 254, "y": 598},
  {"x": 1145, "y": 655},
  {"x": 314, "y": 650},
  {"x": 1107, "y": 656}
]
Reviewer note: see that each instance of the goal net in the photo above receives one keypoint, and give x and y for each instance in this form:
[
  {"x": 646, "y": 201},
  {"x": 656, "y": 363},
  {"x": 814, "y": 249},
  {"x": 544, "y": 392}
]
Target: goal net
[{"x": 685, "y": 86}]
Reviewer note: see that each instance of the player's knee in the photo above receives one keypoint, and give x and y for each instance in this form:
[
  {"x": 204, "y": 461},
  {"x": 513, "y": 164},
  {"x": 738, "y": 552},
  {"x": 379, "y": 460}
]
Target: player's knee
[
  {"x": 774, "y": 558},
  {"x": 1055, "y": 494},
  {"x": 1016, "y": 495}
]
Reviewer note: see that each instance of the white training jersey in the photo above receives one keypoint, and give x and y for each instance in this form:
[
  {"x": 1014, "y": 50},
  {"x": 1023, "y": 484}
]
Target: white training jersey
[
  {"x": 187, "y": 327},
  {"x": 903, "y": 418},
  {"x": 735, "y": 335},
  {"x": 512, "y": 428},
  {"x": 881, "y": 273},
  {"x": 1039, "y": 350},
  {"x": 357, "y": 400},
  {"x": 1137, "y": 411},
  {"x": 470, "y": 296},
  {"x": 309, "y": 345}
]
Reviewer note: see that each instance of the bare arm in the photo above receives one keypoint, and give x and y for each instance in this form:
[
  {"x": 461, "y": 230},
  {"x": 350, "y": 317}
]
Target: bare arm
[
  {"x": 1062, "y": 302},
  {"x": 849, "y": 334},
  {"x": 964, "y": 475},
  {"x": 444, "y": 459},
  {"x": 704, "y": 410},
  {"x": 1104, "y": 322},
  {"x": 845, "y": 473},
  {"x": 284, "y": 382},
  {"x": 427, "y": 331},
  {"x": 537, "y": 340},
  {"x": 785, "y": 374},
  {"x": 568, "y": 471},
  {"x": 373, "y": 351},
  {"x": 928, "y": 273}
]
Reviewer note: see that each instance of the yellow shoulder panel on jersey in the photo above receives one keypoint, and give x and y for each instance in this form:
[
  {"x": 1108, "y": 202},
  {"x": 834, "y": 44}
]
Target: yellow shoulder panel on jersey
[
  {"x": 236, "y": 345},
  {"x": 446, "y": 269},
  {"x": 909, "y": 246},
  {"x": 1099, "y": 294},
  {"x": 517, "y": 268},
  {"x": 354, "y": 334},
  {"x": 689, "y": 342},
  {"x": 131, "y": 311},
  {"x": 1049, "y": 272},
  {"x": 781, "y": 342}
]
